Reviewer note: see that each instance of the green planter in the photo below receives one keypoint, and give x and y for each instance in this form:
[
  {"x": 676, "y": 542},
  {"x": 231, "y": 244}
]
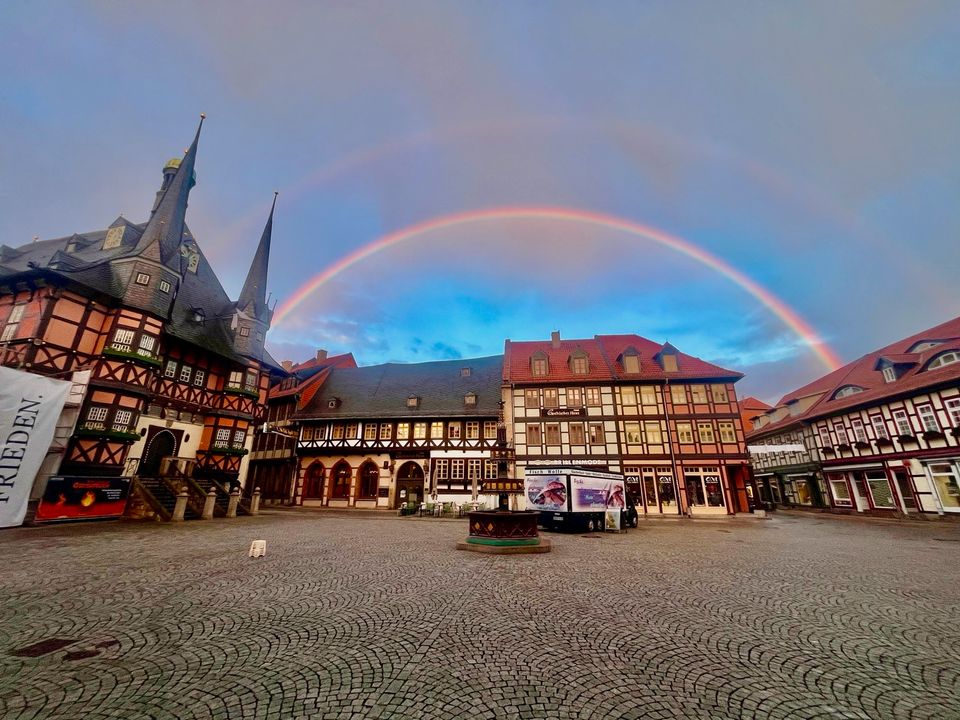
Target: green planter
[{"x": 135, "y": 357}]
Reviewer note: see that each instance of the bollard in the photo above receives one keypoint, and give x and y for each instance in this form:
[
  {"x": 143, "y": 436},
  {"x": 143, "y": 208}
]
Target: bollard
[
  {"x": 180, "y": 508},
  {"x": 209, "y": 504},
  {"x": 255, "y": 502},
  {"x": 233, "y": 502}
]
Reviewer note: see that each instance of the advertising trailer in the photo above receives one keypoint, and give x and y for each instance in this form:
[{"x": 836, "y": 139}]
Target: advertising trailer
[{"x": 572, "y": 498}]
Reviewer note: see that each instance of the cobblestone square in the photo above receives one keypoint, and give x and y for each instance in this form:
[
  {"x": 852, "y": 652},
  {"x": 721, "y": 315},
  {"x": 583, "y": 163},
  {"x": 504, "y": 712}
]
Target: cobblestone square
[{"x": 354, "y": 616}]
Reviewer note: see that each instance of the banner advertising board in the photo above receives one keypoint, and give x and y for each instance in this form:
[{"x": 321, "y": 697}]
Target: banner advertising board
[
  {"x": 29, "y": 407},
  {"x": 596, "y": 494},
  {"x": 83, "y": 498},
  {"x": 546, "y": 492}
]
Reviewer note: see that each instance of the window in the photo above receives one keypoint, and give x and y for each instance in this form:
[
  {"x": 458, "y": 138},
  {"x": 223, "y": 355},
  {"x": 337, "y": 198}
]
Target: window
[
  {"x": 369, "y": 431},
  {"x": 489, "y": 470},
  {"x": 632, "y": 432},
  {"x": 859, "y": 433},
  {"x": 580, "y": 365},
  {"x": 944, "y": 359},
  {"x": 470, "y": 399},
  {"x": 436, "y": 431},
  {"x": 846, "y": 391},
  {"x": 652, "y": 432},
  {"x": 170, "y": 370},
  {"x": 698, "y": 394},
  {"x": 386, "y": 431},
  {"x": 631, "y": 364},
  {"x": 441, "y": 469},
  {"x": 533, "y": 435},
  {"x": 574, "y": 397},
  {"x": 705, "y": 431},
  {"x": 453, "y": 431},
  {"x": 728, "y": 433},
  {"x": 553, "y": 433},
  {"x": 236, "y": 377},
  {"x": 531, "y": 398},
  {"x": 252, "y": 380},
  {"x": 121, "y": 420},
  {"x": 879, "y": 427},
  {"x": 593, "y": 396},
  {"x": 369, "y": 480},
  {"x": 185, "y": 373},
  {"x": 685, "y": 432},
  {"x": 490, "y": 429},
  {"x": 924, "y": 345},
  {"x": 474, "y": 469},
  {"x": 473, "y": 430},
  {"x": 678, "y": 394},
  {"x": 147, "y": 343},
  {"x": 222, "y": 438},
  {"x": 953, "y": 410},
  {"x": 576, "y": 434},
  {"x": 550, "y": 398},
  {"x": 341, "y": 481},
  {"x": 465, "y": 372},
  {"x": 946, "y": 483},
  {"x": 719, "y": 393},
  {"x": 456, "y": 469},
  {"x": 96, "y": 417},
  {"x": 628, "y": 395},
  {"x": 538, "y": 366},
  {"x": 142, "y": 279},
  {"x": 902, "y": 422},
  {"x": 307, "y": 434},
  {"x": 596, "y": 434},
  {"x": 824, "y": 436},
  {"x": 648, "y": 395},
  {"x": 889, "y": 374},
  {"x": 419, "y": 431},
  {"x": 8, "y": 332},
  {"x": 337, "y": 431},
  {"x": 352, "y": 430},
  {"x": 198, "y": 377},
  {"x": 841, "y": 433},
  {"x": 928, "y": 418},
  {"x": 403, "y": 431},
  {"x": 122, "y": 340},
  {"x": 164, "y": 286},
  {"x": 238, "y": 437},
  {"x": 840, "y": 490},
  {"x": 413, "y": 401},
  {"x": 244, "y": 331},
  {"x": 880, "y": 491}
]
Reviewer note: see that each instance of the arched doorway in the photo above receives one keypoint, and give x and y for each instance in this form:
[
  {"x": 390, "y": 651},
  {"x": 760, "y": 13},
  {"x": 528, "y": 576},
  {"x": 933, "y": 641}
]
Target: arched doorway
[
  {"x": 340, "y": 478},
  {"x": 162, "y": 444},
  {"x": 369, "y": 477},
  {"x": 313, "y": 482},
  {"x": 409, "y": 484}
]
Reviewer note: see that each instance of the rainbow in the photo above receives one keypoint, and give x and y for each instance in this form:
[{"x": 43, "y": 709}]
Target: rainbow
[{"x": 780, "y": 309}]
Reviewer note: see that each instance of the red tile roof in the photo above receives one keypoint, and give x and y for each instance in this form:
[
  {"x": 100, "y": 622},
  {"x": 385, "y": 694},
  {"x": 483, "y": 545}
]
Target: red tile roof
[
  {"x": 605, "y": 362},
  {"x": 862, "y": 373}
]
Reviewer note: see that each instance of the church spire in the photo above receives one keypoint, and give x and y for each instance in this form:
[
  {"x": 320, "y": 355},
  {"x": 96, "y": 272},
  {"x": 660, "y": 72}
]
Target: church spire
[
  {"x": 161, "y": 237},
  {"x": 253, "y": 296}
]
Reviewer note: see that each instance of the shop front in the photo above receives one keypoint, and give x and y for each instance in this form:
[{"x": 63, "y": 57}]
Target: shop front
[
  {"x": 864, "y": 489},
  {"x": 652, "y": 489},
  {"x": 944, "y": 476},
  {"x": 705, "y": 491}
]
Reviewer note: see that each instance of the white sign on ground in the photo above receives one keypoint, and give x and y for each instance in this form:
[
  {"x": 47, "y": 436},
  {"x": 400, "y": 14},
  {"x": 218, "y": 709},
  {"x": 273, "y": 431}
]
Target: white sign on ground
[{"x": 29, "y": 408}]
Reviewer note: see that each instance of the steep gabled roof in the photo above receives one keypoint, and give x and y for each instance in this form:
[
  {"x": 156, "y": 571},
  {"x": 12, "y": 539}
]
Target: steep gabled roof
[{"x": 688, "y": 366}]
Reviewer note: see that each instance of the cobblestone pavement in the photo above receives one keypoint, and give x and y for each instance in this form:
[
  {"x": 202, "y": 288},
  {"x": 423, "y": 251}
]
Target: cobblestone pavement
[{"x": 370, "y": 617}]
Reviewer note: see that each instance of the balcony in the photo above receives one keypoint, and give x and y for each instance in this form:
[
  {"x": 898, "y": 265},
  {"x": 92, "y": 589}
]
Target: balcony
[{"x": 125, "y": 352}]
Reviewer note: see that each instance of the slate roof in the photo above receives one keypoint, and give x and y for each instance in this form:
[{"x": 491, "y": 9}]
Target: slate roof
[
  {"x": 605, "y": 361},
  {"x": 862, "y": 372},
  {"x": 381, "y": 391}
]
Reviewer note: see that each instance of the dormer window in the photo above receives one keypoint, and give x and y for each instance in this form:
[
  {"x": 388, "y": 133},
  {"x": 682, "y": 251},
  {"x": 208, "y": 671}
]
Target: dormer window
[
  {"x": 333, "y": 403},
  {"x": 539, "y": 366},
  {"x": 413, "y": 401},
  {"x": 244, "y": 332},
  {"x": 465, "y": 372},
  {"x": 142, "y": 279},
  {"x": 579, "y": 363},
  {"x": 923, "y": 345},
  {"x": 631, "y": 363},
  {"x": 944, "y": 359},
  {"x": 669, "y": 363},
  {"x": 848, "y": 390},
  {"x": 470, "y": 399},
  {"x": 889, "y": 374},
  {"x": 198, "y": 315}
]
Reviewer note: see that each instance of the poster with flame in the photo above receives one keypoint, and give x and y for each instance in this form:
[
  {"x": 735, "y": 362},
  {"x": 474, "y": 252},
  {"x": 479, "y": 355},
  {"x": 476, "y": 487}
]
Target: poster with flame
[{"x": 83, "y": 498}]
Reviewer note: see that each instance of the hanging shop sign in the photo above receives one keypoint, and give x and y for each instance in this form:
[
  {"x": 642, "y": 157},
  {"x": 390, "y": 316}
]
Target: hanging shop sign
[
  {"x": 29, "y": 407},
  {"x": 84, "y": 498}
]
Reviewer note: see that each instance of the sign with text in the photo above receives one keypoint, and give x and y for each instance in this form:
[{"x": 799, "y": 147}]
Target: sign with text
[
  {"x": 591, "y": 494},
  {"x": 563, "y": 412},
  {"x": 84, "y": 498},
  {"x": 29, "y": 408}
]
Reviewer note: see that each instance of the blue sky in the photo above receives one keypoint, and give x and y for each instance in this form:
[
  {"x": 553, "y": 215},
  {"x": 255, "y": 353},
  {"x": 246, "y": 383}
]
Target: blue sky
[{"x": 811, "y": 145}]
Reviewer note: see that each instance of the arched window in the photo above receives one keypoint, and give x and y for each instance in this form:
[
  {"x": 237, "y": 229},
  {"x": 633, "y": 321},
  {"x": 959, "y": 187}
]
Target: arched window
[
  {"x": 369, "y": 480},
  {"x": 944, "y": 359},
  {"x": 341, "y": 480},
  {"x": 846, "y": 391},
  {"x": 313, "y": 481}
]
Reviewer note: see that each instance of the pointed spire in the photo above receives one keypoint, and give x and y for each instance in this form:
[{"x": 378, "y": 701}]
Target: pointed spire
[
  {"x": 255, "y": 286},
  {"x": 165, "y": 227}
]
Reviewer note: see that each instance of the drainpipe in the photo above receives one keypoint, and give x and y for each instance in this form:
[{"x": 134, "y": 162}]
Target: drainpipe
[{"x": 673, "y": 459}]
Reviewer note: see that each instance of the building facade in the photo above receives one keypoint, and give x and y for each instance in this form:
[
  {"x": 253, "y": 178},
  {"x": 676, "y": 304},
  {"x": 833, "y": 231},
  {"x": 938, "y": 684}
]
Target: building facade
[
  {"x": 668, "y": 421},
  {"x": 176, "y": 368},
  {"x": 384, "y": 435},
  {"x": 880, "y": 435}
]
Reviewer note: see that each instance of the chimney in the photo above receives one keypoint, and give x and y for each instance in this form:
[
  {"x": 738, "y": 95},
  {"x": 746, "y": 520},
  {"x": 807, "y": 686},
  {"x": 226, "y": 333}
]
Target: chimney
[
  {"x": 555, "y": 339},
  {"x": 321, "y": 354},
  {"x": 287, "y": 365}
]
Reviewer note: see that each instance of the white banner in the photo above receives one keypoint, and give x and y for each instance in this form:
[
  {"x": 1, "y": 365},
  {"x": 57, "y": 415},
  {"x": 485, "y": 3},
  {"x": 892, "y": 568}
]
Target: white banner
[{"x": 29, "y": 408}]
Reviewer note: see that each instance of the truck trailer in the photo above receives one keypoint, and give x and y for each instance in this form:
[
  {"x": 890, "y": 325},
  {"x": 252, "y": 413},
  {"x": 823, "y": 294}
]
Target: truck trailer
[{"x": 577, "y": 499}]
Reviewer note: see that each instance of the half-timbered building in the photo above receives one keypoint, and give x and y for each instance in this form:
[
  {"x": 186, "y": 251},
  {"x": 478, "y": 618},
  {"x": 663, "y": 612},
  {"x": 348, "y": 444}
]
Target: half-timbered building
[
  {"x": 667, "y": 420},
  {"x": 177, "y": 369},
  {"x": 385, "y": 435},
  {"x": 879, "y": 435}
]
